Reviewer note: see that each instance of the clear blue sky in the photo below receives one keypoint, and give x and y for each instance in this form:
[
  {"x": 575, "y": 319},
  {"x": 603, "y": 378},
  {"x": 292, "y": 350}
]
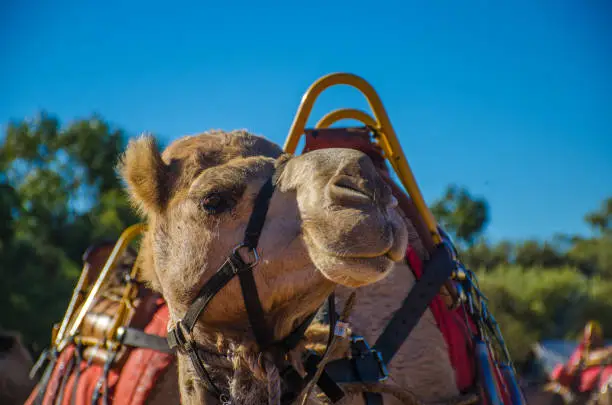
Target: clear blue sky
[{"x": 511, "y": 99}]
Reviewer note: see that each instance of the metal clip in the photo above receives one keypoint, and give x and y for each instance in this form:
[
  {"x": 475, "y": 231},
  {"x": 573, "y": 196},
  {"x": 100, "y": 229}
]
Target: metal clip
[
  {"x": 254, "y": 253},
  {"x": 177, "y": 338},
  {"x": 383, "y": 372}
]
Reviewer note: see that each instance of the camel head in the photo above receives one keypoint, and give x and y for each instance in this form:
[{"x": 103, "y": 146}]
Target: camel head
[{"x": 331, "y": 220}]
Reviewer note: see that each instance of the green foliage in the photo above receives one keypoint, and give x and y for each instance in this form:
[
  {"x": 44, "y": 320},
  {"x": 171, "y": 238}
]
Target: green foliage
[
  {"x": 537, "y": 303},
  {"x": 59, "y": 193},
  {"x": 537, "y": 289},
  {"x": 462, "y": 215},
  {"x": 601, "y": 220}
]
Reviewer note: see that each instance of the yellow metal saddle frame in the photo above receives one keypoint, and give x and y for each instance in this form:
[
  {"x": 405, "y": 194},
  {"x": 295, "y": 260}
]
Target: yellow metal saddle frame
[{"x": 384, "y": 134}]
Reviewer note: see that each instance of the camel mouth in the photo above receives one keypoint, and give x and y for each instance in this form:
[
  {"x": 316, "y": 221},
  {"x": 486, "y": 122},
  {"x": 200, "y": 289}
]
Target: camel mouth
[
  {"x": 390, "y": 253},
  {"x": 346, "y": 191},
  {"x": 363, "y": 255},
  {"x": 356, "y": 272}
]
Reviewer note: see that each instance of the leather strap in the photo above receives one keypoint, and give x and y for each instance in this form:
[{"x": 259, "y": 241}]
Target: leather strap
[
  {"x": 372, "y": 398},
  {"x": 138, "y": 338},
  {"x": 255, "y": 312},
  {"x": 223, "y": 276},
  {"x": 364, "y": 365},
  {"x": 235, "y": 265},
  {"x": 46, "y": 377},
  {"x": 437, "y": 270},
  {"x": 258, "y": 216}
]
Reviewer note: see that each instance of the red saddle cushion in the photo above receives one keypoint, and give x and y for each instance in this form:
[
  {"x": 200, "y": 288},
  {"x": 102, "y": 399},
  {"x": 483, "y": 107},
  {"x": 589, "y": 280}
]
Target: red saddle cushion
[{"x": 129, "y": 385}]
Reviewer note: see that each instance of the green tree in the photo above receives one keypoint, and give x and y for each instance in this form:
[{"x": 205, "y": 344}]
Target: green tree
[
  {"x": 538, "y": 303},
  {"x": 484, "y": 255},
  {"x": 462, "y": 215},
  {"x": 594, "y": 254},
  {"x": 58, "y": 193},
  {"x": 601, "y": 220},
  {"x": 532, "y": 253},
  {"x": 548, "y": 289}
]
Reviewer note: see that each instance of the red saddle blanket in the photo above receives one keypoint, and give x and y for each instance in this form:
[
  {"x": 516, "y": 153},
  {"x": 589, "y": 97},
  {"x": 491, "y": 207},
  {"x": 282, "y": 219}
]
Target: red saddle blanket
[
  {"x": 591, "y": 378},
  {"x": 129, "y": 385}
]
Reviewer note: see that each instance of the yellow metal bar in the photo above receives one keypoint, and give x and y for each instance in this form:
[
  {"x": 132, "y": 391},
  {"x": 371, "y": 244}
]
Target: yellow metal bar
[
  {"x": 77, "y": 298},
  {"x": 125, "y": 304},
  {"x": 124, "y": 240},
  {"x": 347, "y": 114},
  {"x": 389, "y": 143}
]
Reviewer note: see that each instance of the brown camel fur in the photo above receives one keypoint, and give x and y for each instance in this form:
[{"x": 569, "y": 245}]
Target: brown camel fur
[
  {"x": 332, "y": 221},
  {"x": 15, "y": 364}
]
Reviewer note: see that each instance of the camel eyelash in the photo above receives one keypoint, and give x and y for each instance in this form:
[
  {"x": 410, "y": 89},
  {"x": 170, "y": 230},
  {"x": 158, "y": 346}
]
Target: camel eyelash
[{"x": 215, "y": 203}]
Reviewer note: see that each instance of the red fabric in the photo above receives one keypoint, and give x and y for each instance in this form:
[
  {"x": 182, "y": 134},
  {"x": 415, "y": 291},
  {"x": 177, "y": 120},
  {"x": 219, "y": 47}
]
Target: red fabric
[
  {"x": 564, "y": 373},
  {"x": 129, "y": 385},
  {"x": 452, "y": 324}
]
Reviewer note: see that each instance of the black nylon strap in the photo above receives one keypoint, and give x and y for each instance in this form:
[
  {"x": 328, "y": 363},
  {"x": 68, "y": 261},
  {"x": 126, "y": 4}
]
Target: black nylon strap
[
  {"x": 201, "y": 371},
  {"x": 362, "y": 367},
  {"x": 44, "y": 381},
  {"x": 236, "y": 265},
  {"x": 372, "y": 398},
  {"x": 436, "y": 271},
  {"x": 255, "y": 312},
  {"x": 228, "y": 270},
  {"x": 291, "y": 341},
  {"x": 326, "y": 382},
  {"x": 138, "y": 338},
  {"x": 258, "y": 216}
]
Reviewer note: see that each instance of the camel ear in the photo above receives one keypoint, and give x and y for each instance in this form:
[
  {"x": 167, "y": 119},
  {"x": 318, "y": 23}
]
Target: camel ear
[{"x": 144, "y": 172}]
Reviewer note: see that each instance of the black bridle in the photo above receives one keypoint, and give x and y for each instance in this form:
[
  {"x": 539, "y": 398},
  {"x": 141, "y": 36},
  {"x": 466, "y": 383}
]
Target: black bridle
[{"x": 235, "y": 265}]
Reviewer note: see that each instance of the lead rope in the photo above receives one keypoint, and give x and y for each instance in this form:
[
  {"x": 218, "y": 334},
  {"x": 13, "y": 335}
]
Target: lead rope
[
  {"x": 346, "y": 312},
  {"x": 274, "y": 381}
]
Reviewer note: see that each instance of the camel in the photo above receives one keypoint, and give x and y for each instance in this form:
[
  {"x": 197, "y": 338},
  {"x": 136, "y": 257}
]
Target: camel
[
  {"x": 332, "y": 222},
  {"x": 15, "y": 364},
  {"x": 540, "y": 396}
]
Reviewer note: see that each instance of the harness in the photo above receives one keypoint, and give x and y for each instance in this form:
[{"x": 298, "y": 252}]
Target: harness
[
  {"x": 180, "y": 337},
  {"x": 494, "y": 378},
  {"x": 367, "y": 364}
]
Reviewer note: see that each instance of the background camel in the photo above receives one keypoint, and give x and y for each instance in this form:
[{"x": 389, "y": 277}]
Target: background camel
[
  {"x": 15, "y": 364},
  {"x": 331, "y": 221}
]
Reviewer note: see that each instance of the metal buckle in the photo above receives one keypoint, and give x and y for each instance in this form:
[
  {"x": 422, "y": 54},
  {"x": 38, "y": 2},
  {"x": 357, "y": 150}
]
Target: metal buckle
[
  {"x": 254, "y": 255},
  {"x": 383, "y": 372},
  {"x": 176, "y": 338}
]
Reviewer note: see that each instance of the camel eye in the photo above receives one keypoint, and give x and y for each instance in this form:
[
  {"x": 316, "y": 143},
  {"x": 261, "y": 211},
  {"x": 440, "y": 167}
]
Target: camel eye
[{"x": 216, "y": 203}]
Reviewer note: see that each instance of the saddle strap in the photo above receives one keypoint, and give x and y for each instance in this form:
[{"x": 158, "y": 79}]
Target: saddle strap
[
  {"x": 373, "y": 398},
  {"x": 138, "y": 338},
  {"x": 437, "y": 270}
]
